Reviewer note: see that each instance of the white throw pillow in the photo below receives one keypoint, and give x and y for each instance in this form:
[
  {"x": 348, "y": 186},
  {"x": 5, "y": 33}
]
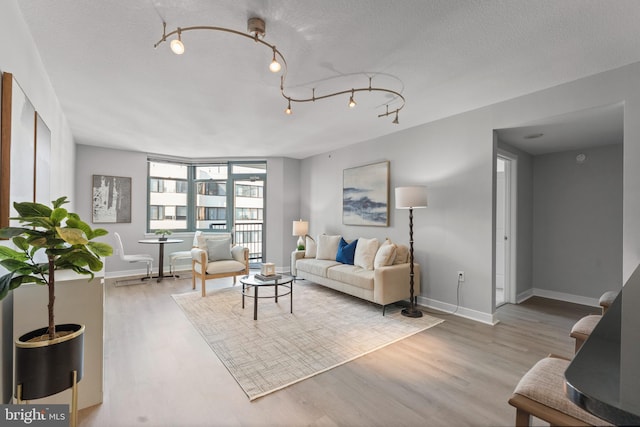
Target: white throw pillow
[
  {"x": 327, "y": 246},
  {"x": 366, "y": 253},
  {"x": 402, "y": 255},
  {"x": 310, "y": 247},
  {"x": 218, "y": 249},
  {"x": 385, "y": 256}
]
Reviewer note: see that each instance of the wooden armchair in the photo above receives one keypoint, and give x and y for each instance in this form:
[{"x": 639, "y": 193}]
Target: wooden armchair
[{"x": 215, "y": 257}]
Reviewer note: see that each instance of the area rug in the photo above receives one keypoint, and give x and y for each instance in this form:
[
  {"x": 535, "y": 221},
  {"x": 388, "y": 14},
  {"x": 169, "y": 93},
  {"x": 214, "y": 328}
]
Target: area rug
[{"x": 327, "y": 329}]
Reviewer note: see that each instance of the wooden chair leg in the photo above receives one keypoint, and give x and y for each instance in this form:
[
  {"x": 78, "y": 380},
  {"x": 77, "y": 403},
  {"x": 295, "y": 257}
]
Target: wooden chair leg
[
  {"x": 204, "y": 287},
  {"x": 193, "y": 275},
  {"x": 523, "y": 418}
]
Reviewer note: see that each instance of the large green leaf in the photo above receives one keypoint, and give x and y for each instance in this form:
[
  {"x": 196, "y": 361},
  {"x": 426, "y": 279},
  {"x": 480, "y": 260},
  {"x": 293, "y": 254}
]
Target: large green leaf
[
  {"x": 10, "y": 232},
  {"x": 17, "y": 266},
  {"x": 100, "y": 249},
  {"x": 59, "y": 202},
  {"x": 58, "y": 215},
  {"x": 98, "y": 232},
  {"x": 5, "y": 283},
  {"x": 21, "y": 243},
  {"x": 73, "y": 236},
  {"x": 30, "y": 209},
  {"x": 8, "y": 253},
  {"x": 75, "y": 222}
]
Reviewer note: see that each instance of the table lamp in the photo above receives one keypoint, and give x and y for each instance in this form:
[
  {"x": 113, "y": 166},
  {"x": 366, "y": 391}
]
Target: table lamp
[
  {"x": 300, "y": 229},
  {"x": 411, "y": 198}
]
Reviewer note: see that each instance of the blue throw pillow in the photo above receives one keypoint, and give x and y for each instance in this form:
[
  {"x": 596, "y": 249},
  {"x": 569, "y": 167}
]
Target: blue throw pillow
[{"x": 346, "y": 252}]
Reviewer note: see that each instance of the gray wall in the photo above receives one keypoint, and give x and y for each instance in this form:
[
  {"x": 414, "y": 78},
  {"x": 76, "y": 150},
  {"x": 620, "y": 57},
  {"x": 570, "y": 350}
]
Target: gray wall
[
  {"x": 454, "y": 158},
  {"x": 577, "y": 222},
  {"x": 19, "y": 56},
  {"x": 281, "y": 193}
]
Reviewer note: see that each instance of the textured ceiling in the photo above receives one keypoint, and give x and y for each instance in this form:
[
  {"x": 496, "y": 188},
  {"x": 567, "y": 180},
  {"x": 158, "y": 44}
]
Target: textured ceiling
[{"x": 220, "y": 100}]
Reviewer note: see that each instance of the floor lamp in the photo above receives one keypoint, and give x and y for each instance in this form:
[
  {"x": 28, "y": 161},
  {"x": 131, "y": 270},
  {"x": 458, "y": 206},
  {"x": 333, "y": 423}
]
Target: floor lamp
[{"x": 411, "y": 198}]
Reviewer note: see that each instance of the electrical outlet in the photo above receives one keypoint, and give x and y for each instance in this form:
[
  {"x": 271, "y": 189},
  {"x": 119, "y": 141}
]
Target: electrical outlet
[{"x": 460, "y": 276}]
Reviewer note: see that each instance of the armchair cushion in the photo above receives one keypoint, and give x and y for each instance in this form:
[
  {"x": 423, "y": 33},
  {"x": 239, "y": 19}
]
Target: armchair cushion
[
  {"x": 237, "y": 253},
  {"x": 218, "y": 250}
]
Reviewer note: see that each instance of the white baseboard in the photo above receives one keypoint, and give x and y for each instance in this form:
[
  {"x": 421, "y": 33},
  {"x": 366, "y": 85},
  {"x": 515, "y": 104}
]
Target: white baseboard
[
  {"x": 561, "y": 296},
  {"x": 467, "y": 313}
]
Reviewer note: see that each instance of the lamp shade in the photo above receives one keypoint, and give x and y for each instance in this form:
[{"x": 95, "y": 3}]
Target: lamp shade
[
  {"x": 411, "y": 197},
  {"x": 300, "y": 228}
]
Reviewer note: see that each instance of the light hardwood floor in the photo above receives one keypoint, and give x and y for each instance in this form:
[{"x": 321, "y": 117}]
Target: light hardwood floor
[{"x": 160, "y": 372}]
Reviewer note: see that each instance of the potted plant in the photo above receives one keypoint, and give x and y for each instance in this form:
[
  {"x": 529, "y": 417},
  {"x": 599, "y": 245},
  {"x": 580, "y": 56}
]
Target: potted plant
[
  {"x": 46, "y": 357},
  {"x": 163, "y": 234}
]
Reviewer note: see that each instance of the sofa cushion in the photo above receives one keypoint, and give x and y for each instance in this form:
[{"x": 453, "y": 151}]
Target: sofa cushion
[
  {"x": 317, "y": 267},
  {"x": 385, "y": 256},
  {"x": 366, "y": 253},
  {"x": 218, "y": 250},
  {"x": 327, "y": 246},
  {"x": 309, "y": 247},
  {"x": 346, "y": 251},
  {"x": 352, "y": 275},
  {"x": 402, "y": 255}
]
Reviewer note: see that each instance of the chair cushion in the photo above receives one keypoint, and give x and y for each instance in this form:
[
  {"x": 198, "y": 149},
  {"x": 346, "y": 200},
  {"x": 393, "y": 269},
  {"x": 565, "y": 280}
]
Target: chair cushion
[
  {"x": 217, "y": 267},
  {"x": 607, "y": 298},
  {"x": 585, "y": 325},
  {"x": 218, "y": 250},
  {"x": 237, "y": 253},
  {"x": 544, "y": 383}
]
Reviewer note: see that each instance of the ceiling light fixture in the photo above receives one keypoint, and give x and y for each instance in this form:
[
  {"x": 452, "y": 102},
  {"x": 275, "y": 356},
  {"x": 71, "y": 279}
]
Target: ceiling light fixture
[
  {"x": 256, "y": 31},
  {"x": 288, "y": 109},
  {"x": 275, "y": 66},
  {"x": 352, "y": 102},
  {"x": 176, "y": 44}
]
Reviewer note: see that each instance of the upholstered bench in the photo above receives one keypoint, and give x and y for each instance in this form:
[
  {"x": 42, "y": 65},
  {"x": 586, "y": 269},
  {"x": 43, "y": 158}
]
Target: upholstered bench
[
  {"x": 583, "y": 328},
  {"x": 540, "y": 393}
]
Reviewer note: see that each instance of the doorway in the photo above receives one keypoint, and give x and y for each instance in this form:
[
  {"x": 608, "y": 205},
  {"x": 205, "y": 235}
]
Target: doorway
[{"x": 506, "y": 167}]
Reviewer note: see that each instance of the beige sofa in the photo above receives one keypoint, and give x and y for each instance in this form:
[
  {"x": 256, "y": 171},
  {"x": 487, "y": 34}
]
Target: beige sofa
[{"x": 384, "y": 283}]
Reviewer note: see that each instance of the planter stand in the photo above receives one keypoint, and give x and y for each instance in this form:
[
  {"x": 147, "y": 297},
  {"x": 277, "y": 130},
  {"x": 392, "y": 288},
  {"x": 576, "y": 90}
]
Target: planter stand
[
  {"x": 48, "y": 367},
  {"x": 73, "y": 421}
]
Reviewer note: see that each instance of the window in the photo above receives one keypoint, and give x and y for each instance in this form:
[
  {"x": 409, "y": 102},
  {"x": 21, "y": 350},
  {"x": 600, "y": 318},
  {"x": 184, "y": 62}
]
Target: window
[
  {"x": 168, "y": 188},
  {"x": 188, "y": 197}
]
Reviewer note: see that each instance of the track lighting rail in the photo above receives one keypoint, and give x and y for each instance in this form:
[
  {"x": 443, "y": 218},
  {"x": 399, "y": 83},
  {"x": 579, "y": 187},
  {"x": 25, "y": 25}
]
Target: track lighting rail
[{"x": 256, "y": 30}]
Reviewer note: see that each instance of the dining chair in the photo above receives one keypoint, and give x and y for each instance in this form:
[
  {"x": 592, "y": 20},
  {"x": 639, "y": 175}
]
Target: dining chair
[
  {"x": 134, "y": 258},
  {"x": 174, "y": 256}
]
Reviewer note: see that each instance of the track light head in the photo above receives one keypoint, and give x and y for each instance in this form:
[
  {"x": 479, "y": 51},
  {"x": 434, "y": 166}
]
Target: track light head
[
  {"x": 176, "y": 44},
  {"x": 352, "y": 102},
  {"x": 275, "y": 65}
]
